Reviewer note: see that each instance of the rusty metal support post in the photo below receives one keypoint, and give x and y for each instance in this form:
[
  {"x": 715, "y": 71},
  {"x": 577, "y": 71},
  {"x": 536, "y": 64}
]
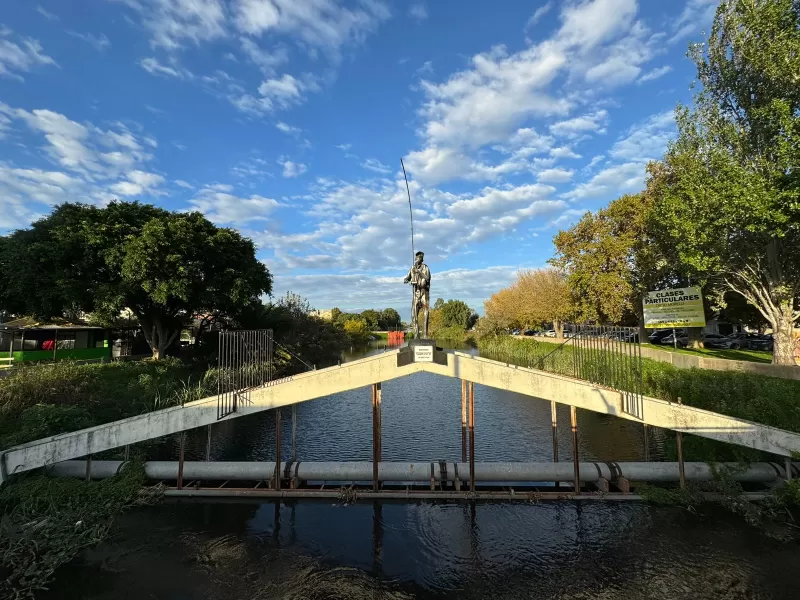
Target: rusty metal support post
[
  {"x": 463, "y": 421},
  {"x": 573, "y": 413},
  {"x": 208, "y": 443},
  {"x": 471, "y": 436},
  {"x": 554, "y": 419},
  {"x": 127, "y": 455},
  {"x": 180, "y": 459},
  {"x": 679, "y": 443},
  {"x": 376, "y": 434},
  {"x": 89, "y": 468},
  {"x": 646, "y": 444},
  {"x": 294, "y": 432},
  {"x": 277, "y": 448}
]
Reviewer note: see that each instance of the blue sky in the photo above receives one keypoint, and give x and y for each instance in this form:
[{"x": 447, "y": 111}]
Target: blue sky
[{"x": 287, "y": 119}]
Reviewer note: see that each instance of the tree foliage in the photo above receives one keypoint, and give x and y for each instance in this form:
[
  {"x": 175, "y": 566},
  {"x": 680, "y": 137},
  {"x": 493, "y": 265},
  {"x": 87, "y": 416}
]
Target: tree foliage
[
  {"x": 390, "y": 319},
  {"x": 536, "y": 297},
  {"x": 611, "y": 261},
  {"x": 165, "y": 267},
  {"x": 357, "y": 331},
  {"x": 727, "y": 195}
]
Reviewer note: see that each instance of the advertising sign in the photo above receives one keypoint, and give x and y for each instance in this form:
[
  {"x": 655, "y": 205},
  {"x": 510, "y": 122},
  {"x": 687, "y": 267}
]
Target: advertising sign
[{"x": 667, "y": 309}]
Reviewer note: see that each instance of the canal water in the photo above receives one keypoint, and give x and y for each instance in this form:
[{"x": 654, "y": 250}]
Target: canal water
[{"x": 326, "y": 550}]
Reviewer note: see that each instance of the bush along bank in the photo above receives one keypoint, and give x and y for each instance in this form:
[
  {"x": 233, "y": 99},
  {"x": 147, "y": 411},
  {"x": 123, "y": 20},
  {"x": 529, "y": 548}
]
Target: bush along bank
[
  {"x": 758, "y": 398},
  {"x": 46, "y": 522}
]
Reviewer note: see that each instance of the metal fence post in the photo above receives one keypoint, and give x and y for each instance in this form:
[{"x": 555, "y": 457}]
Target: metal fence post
[
  {"x": 208, "y": 443},
  {"x": 180, "y": 459},
  {"x": 471, "y": 436},
  {"x": 376, "y": 434},
  {"x": 294, "y": 432},
  {"x": 463, "y": 421},
  {"x": 575, "y": 456},
  {"x": 679, "y": 442},
  {"x": 277, "y": 448}
]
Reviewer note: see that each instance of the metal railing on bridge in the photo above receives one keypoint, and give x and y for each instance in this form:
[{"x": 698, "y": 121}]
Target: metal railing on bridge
[{"x": 610, "y": 356}]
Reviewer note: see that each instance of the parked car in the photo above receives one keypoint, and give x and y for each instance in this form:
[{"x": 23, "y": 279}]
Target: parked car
[
  {"x": 630, "y": 337},
  {"x": 515, "y": 332},
  {"x": 550, "y": 333},
  {"x": 741, "y": 340},
  {"x": 659, "y": 335},
  {"x": 530, "y": 332},
  {"x": 715, "y": 340},
  {"x": 762, "y": 342}
]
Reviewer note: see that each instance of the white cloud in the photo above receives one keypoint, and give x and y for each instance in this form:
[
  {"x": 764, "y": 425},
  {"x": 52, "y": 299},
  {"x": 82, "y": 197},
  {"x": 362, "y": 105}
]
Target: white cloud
[
  {"x": 373, "y": 164},
  {"x": 174, "y": 23},
  {"x": 154, "y": 67},
  {"x": 358, "y": 291},
  {"x": 564, "y": 152},
  {"x": 138, "y": 183},
  {"x": 696, "y": 14},
  {"x": 654, "y": 74},
  {"x": 276, "y": 93},
  {"x": 321, "y": 23},
  {"x": 94, "y": 163},
  {"x": 46, "y": 14},
  {"x": 220, "y": 206},
  {"x": 598, "y": 42},
  {"x": 292, "y": 169},
  {"x": 266, "y": 61},
  {"x": 20, "y": 57},
  {"x": 426, "y": 69},
  {"x": 98, "y": 42},
  {"x": 344, "y": 147},
  {"x": 539, "y": 14},
  {"x": 611, "y": 182},
  {"x": 364, "y": 226},
  {"x": 287, "y": 129},
  {"x": 184, "y": 184},
  {"x": 594, "y": 122},
  {"x": 418, "y": 11},
  {"x": 555, "y": 175},
  {"x": 647, "y": 140}
]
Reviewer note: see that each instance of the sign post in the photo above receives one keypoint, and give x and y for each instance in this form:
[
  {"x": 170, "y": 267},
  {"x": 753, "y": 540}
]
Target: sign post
[{"x": 671, "y": 309}]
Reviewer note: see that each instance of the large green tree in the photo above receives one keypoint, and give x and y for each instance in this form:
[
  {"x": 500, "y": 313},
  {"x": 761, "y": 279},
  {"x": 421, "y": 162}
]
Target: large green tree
[
  {"x": 165, "y": 267},
  {"x": 727, "y": 196},
  {"x": 456, "y": 313},
  {"x": 390, "y": 318},
  {"x": 611, "y": 261}
]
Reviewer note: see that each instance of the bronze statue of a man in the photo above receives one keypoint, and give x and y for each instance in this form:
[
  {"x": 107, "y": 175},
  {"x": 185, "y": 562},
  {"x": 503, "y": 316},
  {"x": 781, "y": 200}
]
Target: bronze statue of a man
[{"x": 420, "y": 277}]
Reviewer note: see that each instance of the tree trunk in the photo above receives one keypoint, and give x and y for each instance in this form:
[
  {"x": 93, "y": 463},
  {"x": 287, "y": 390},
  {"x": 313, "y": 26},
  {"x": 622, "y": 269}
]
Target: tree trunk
[
  {"x": 783, "y": 334},
  {"x": 558, "y": 326},
  {"x": 695, "y": 335},
  {"x": 159, "y": 336}
]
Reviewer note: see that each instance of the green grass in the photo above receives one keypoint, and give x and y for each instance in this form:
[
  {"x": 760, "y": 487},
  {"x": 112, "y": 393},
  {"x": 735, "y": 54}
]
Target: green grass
[
  {"x": 768, "y": 400},
  {"x": 759, "y": 356}
]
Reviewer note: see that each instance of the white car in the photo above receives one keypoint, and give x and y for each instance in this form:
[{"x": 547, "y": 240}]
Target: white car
[{"x": 550, "y": 333}]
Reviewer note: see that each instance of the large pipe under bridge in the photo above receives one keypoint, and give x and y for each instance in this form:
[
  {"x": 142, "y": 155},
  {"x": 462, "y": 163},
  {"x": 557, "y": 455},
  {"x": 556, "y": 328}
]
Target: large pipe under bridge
[
  {"x": 371, "y": 372},
  {"x": 416, "y": 480}
]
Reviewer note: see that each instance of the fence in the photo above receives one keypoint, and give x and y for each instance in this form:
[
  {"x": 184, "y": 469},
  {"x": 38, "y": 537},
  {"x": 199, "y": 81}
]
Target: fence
[{"x": 608, "y": 356}]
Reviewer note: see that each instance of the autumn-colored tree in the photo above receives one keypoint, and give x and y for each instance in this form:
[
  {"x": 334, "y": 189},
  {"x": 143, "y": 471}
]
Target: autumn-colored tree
[
  {"x": 611, "y": 261},
  {"x": 536, "y": 297}
]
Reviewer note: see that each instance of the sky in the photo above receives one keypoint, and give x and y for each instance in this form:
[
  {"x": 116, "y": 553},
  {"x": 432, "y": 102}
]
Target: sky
[{"x": 287, "y": 120}]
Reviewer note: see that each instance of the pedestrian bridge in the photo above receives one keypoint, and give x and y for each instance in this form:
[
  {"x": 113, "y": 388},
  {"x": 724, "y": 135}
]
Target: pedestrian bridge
[{"x": 374, "y": 370}]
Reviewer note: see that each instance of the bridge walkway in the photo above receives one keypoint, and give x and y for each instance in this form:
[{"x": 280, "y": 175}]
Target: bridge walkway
[{"x": 390, "y": 365}]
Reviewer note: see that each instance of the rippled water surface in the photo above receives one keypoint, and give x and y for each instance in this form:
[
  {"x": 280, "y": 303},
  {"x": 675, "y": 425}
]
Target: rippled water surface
[{"x": 320, "y": 550}]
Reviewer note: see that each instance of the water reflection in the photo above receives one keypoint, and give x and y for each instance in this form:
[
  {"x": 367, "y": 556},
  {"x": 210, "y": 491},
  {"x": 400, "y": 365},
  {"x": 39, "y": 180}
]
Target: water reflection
[{"x": 318, "y": 550}]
